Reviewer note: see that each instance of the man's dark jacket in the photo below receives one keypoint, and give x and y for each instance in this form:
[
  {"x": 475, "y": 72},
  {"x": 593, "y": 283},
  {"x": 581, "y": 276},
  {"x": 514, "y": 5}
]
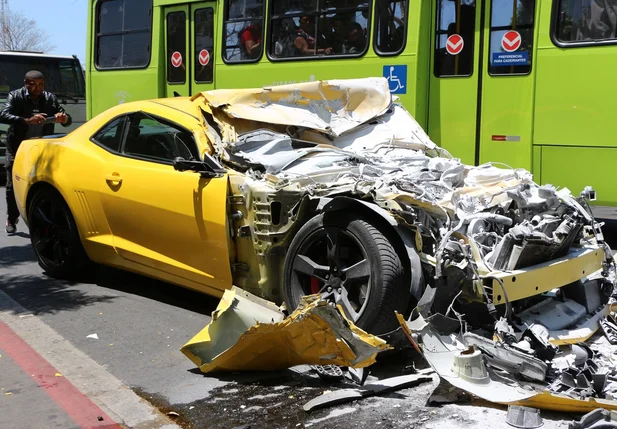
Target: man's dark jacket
[{"x": 19, "y": 106}]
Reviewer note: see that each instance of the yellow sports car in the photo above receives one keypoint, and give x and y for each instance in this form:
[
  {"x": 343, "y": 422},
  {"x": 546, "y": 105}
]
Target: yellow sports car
[{"x": 326, "y": 187}]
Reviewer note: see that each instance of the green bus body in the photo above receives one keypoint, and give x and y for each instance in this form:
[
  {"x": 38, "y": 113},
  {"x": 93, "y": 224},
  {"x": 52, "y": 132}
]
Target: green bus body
[{"x": 545, "y": 107}]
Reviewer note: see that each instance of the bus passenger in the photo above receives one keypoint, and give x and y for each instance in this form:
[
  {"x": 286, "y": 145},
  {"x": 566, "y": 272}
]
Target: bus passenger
[
  {"x": 306, "y": 43},
  {"x": 250, "y": 38},
  {"x": 339, "y": 30},
  {"x": 356, "y": 42}
]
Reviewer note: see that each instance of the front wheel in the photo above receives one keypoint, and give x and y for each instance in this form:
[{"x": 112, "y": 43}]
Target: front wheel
[
  {"x": 350, "y": 262},
  {"x": 54, "y": 235}
]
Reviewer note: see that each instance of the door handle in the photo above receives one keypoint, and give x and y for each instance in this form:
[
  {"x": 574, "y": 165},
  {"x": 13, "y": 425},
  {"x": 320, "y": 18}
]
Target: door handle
[{"x": 115, "y": 178}]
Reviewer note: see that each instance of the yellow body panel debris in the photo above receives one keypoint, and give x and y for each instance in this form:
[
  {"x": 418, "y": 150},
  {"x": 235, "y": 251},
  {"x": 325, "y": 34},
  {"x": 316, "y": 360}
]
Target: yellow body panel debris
[{"x": 252, "y": 334}]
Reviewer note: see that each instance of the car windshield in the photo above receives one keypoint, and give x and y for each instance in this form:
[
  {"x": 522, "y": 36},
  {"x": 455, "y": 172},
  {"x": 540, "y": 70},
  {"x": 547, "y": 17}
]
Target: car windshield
[{"x": 62, "y": 76}]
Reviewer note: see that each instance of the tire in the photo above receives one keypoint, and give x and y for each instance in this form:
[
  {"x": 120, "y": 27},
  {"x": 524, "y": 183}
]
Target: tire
[
  {"x": 311, "y": 266},
  {"x": 54, "y": 236}
]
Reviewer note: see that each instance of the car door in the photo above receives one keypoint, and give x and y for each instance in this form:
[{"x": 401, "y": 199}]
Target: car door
[{"x": 164, "y": 219}]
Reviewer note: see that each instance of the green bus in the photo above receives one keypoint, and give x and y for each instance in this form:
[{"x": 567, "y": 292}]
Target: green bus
[
  {"x": 64, "y": 76},
  {"x": 522, "y": 82}
]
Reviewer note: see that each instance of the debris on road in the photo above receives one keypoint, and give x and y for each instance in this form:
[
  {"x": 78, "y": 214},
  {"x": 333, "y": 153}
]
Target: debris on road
[
  {"x": 370, "y": 389},
  {"x": 248, "y": 333},
  {"x": 598, "y": 418},
  {"x": 524, "y": 417},
  {"x": 94, "y": 336}
]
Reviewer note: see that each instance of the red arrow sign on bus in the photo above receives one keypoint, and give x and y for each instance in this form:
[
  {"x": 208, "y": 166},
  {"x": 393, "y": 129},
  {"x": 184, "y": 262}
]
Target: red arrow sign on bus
[
  {"x": 176, "y": 59},
  {"x": 454, "y": 44},
  {"x": 204, "y": 57},
  {"x": 511, "y": 41}
]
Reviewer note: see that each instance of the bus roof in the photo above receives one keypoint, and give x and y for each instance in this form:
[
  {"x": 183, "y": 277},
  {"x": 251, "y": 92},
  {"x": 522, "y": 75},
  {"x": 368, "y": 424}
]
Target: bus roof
[{"x": 37, "y": 54}]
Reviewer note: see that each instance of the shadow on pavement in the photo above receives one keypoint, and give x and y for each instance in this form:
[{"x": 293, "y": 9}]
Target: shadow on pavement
[
  {"x": 167, "y": 293},
  {"x": 12, "y": 255},
  {"x": 43, "y": 295}
]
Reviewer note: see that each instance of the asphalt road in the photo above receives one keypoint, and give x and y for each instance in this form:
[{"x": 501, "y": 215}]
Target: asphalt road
[{"x": 141, "y": 325}]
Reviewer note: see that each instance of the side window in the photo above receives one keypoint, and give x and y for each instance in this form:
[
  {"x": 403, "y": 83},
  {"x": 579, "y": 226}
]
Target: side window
[
  {"x": 204, "y": 45},
  {"x": 176, "y": 47},
  {"x": 158, "y": 140},
  {"x": 390, "y": 26},
  {"x": 454, "y": 41},
  {"x": 244, "y": 27},
  {"x": 123, "y": 37},
  {"x": 511, "y": 39},
  {"x": 585, "y": 21},
  {"x": 309, "y": 28},
  {"x": 110, "y": 136}
]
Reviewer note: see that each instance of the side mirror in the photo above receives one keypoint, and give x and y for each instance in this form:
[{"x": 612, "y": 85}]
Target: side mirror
[{"x": 203, "y": 168}]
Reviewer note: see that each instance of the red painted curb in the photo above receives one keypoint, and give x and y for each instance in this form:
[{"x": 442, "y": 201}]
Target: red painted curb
[{"x": 78, "y": 406}]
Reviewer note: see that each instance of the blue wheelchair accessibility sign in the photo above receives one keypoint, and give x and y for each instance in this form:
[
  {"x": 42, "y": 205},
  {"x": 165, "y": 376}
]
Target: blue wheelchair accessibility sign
[{"x": 397, "y": 78}]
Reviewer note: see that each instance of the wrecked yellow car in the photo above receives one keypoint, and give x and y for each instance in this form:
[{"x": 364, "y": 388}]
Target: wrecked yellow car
[{"x": 327, "y": 188}]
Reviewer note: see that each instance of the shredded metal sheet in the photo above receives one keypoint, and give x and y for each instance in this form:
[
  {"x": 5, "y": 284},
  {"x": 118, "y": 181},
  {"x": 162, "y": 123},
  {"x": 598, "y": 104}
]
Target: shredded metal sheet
[{"x": 248, "y": 333}]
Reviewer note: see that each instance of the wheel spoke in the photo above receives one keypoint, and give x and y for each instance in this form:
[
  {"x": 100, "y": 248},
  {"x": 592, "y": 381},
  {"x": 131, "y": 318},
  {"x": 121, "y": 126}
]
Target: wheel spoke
[
  {"x": 42, "y": 216},
  {"x": 305, "y": 265},
  {"x": 43, "y": 244},
  {"x": 357, "y": 272},
  {"x": 334, "y": 247},
  {"x": 342, "y": 299},
  {"x": 58, "y": 252},
  {"x": 53, "y": 211}
]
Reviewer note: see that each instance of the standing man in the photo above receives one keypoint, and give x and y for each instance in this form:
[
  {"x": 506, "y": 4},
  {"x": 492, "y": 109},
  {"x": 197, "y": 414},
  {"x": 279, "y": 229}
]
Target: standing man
[{"x": 31, "y": 112}]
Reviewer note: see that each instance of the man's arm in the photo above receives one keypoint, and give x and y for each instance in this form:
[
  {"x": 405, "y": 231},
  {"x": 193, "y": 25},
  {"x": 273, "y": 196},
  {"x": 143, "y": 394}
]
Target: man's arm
[
  {"x": 8, "y": 114},
  {"x": 61, "y": 116}
]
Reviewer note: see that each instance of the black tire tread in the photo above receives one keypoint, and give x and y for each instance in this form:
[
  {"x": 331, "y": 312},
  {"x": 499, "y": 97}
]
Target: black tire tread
[{"x": 392, "y": 275}]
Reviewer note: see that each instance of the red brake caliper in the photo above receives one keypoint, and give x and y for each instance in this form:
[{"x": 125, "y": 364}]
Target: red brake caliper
[{"x": 314, "y": 285}]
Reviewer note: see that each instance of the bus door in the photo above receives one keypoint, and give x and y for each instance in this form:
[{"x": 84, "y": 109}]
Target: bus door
[
  {"x": 481, "y": 86},
  {"x": 189, "y": 47}
]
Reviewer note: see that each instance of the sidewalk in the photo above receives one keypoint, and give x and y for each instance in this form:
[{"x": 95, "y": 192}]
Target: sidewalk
[
  {"x": 45, "y": 382},
  {"x": 33, "y": 394}
]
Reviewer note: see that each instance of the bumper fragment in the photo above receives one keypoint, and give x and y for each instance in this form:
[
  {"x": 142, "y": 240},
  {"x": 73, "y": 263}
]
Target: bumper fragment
[{"x": 248, "y": 333}]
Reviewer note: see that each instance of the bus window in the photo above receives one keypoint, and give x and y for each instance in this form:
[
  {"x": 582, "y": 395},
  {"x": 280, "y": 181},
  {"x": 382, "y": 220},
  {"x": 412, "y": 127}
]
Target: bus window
[
  {"x": 309, "y": 28},
  {"x": 586, "y": 21},
  {"x": 123, "y": 34},
  {"x": 454, "y": 44},
  {"x": 511, "y": 39},
  {"x": 204, "y": 39},
  {"x": 390, "y": 26},
  {"x": 176, "y": 42},
  {"x": 243, "y": 31}
]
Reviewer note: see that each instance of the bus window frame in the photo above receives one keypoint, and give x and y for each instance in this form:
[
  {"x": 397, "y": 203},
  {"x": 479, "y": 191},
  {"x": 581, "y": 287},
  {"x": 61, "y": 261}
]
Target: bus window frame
[
  {"x": 317, "y": 14},
  {"x": 265, "y": 26},
  {"x": 193, "y": 44},
  {"x": 534, "y": 25},
  {"x": 474, "y": 66},
  {"x": 187, "y": 47},
  {"x": 97, "y": 37},
  {"x": 403, "y": 46},
  {"x": 569, "y": 45}
]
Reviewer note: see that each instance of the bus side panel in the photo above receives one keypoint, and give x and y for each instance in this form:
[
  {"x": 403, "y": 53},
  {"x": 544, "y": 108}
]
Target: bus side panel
[
  {"x": 575, "y": 167},
  {"x": 575, "y": 115},
  {"x": 419, "y": 41}
]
